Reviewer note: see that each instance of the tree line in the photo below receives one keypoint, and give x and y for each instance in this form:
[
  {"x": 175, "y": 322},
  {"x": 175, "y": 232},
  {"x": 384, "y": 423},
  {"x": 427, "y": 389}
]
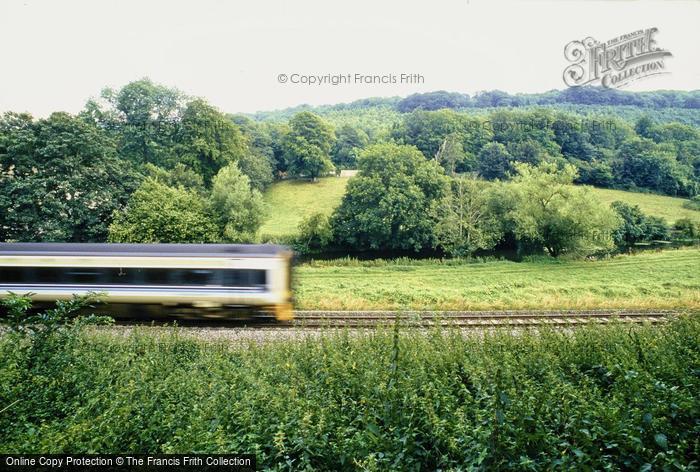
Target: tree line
[
  {"x": 146, "y": 163},
  {"x": 572, "y": 95},
  {"x": 400, "y": 201}
]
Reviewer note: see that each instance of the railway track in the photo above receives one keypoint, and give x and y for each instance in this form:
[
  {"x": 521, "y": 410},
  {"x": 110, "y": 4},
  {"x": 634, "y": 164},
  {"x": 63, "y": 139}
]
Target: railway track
[
  {"x": 367, "y": 319},
  {"x": 305, "y": 319}
]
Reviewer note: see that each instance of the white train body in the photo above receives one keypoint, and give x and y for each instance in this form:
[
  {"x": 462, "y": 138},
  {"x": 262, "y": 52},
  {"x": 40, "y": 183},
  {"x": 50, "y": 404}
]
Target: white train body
[{"x": 218, "y": 278}]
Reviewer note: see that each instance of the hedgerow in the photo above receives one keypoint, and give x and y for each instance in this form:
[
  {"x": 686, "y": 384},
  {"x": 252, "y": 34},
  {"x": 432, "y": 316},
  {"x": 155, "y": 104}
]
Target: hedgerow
[{"x": 613, "y": 397}]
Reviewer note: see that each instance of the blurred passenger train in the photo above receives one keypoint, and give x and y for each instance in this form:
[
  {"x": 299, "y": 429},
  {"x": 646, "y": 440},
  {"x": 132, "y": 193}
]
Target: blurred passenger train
[{"x": 151, "y": 280}]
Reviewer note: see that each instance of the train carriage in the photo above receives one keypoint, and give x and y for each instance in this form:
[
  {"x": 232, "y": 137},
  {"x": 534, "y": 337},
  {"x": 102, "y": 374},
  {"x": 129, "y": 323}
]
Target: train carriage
[{"x": 210, "y": 280}]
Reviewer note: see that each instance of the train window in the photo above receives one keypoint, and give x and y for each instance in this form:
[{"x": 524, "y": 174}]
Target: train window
[
  {"x": 258, "y": 277},
  {"x": 129, "y": 276},
  {"x": 244, "y": 278},
  {"x": 47, "y": 275},
  {"x": 156, "y": 276},
  {"x": 12, "y": 275},
  {"x": 196, "y": 277},
  {"x": 119, "y": 276},
  {"x": 84, "y": 275}
]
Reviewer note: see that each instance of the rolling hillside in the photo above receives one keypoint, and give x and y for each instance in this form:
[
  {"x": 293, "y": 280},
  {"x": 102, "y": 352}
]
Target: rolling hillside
[
  {"x": 670, "y": 208},
  {"x": 291, "y": 200}
]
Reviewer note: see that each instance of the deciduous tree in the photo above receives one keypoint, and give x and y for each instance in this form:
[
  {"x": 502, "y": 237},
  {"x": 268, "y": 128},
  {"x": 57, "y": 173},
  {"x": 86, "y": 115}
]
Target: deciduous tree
[
  {"x": 560, "y": 217},
  {"x": 60, "y": 179},
  {"x": 307, "y": 146},
  {"x": 392, "y": 203},
  {"x": 239, "y": 209},
  {"x": 157, "y": 213}
]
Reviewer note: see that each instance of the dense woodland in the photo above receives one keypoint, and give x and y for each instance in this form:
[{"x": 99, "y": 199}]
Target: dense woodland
[{"x": 438, "y": 171}]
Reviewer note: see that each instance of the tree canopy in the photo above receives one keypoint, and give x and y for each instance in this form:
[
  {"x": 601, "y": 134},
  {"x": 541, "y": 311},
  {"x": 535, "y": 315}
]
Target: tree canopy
[
  {"x": 60, "y": 179},
  {"x": 307, "y": 146},
  {"x": 551, "y": 212},
  {"x": 157, "y": 213},
  {"x": 393, "y": 202}
]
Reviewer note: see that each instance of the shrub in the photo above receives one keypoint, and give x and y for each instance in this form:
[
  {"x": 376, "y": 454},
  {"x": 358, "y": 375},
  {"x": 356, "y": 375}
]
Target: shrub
[
  {"x": 315, "y": 233},
  {"x": 637, "y": 227},
  {"x": 687, "y": 228},
  {"x": 693, "y": 203}
]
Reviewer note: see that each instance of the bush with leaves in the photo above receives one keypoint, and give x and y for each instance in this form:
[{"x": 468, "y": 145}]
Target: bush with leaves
[
  {"x": 38, "y": 355},
  {"x": 157, "y": 213},
  {"x": 613, "y": 397},
  {"x": 314, "y": 233},
  {"x": 467, "y": 219},
  {"x": 636, "y": 227},
  {"x": 687, "y": 228},
  {"x": 550, "y": 212},
  {"x": 239, "y": 209}
]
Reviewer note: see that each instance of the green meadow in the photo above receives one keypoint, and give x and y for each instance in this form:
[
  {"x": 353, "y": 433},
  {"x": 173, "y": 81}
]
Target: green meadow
[
  {"x": 290, "y": 201},
  {"x": 668, "y": 279}
]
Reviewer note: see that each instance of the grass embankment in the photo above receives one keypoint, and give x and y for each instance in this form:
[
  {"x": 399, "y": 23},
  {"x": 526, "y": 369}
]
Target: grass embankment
[
  {"x": 291, "y": 200},
  {"x": 670, "y": 208},
  {"x": 650, "y": 280},
  {"x": 598, "y": 398}
]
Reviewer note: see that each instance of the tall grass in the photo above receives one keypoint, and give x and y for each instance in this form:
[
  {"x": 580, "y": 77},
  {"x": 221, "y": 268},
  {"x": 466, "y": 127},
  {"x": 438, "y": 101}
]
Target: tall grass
[{"x": 616, "y": 397}]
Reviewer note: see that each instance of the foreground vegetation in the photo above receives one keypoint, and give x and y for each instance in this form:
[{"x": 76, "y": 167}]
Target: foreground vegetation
[
  {"x": 654, "y": 280},
  {"x": 615, "y": 397}
]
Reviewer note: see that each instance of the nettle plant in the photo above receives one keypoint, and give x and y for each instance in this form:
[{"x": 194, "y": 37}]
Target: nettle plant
[{"x": 38, "y": 330}]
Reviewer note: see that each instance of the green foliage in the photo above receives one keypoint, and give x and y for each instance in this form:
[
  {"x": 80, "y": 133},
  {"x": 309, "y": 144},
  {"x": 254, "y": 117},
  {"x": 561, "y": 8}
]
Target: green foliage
[
  {"x": 348, "y": 143},
  {"x": 178, "y": 176},
  {"x": 307, "y": 146},
  {"x": 240, "y": 209},
  {"x": 641, "y": 162},
  {"x": 495, "y": 162},
  {"x": 550, "y": 212},
  {"x": 143, "y": 116},
  {"x": 38, "y": 327},
  {"x": 610, "y": 397},
  {"x": 428, "y": 131},
  {"x": 467, "y": 220},
  {"x": 314, "y": 233},
  {"x": 637, "y": 227},
  {"x": 451, "y": 154},
  {"x": 258, "y": 169},
  {"x": 688, "y": 228},
  {"x": 157, "y": 213},
  {"x": 60, "y": 179},
  {"x": 392, "y": 203},
  {"x": 207, "y": 140}
]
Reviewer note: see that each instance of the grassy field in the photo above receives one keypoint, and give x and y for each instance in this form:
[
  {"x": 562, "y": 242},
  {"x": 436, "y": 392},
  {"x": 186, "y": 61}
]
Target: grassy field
[
  {"x": 667, "y": 279},
  {"x": 670, "y": 208},
  {"x": 292, "y": 200}
]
